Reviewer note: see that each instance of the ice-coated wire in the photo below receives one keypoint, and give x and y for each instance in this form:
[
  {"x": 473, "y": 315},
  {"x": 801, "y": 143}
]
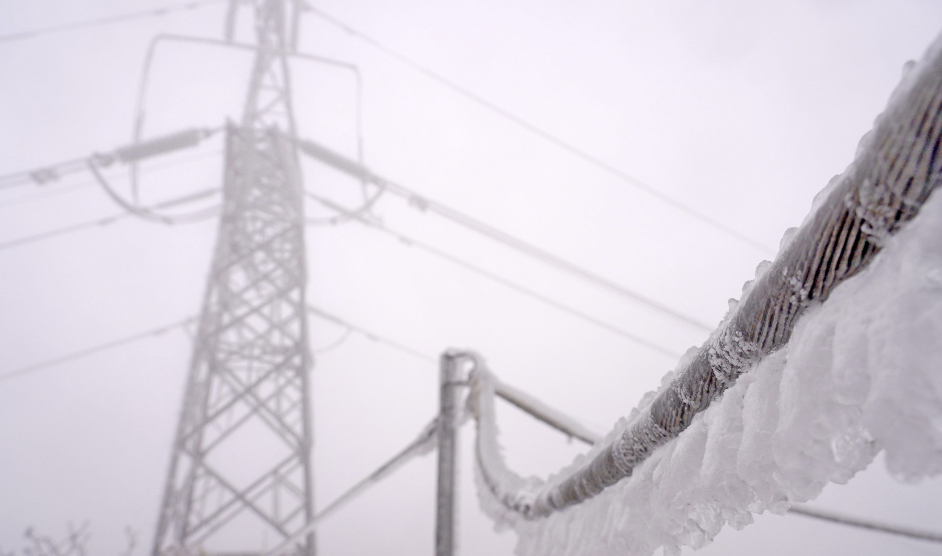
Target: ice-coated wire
[
  {"x": 109, "y": 20},
  {"x": 370, "y": 335},
  {"x": 64, "y": 230},
  {"x": 850, "y": 521},
  {"x": 81, "y": 185},
  {"x": 196, "y": 217},
  {"x": 335, "y": 344},
  {"x": 93, "y": 350},
  {"x": 424, "y": 203},
  {"x": 496, "y": 476},
  {"x": 543, "y": 134},
  {"x": 896, "y": 169},
  {"x": 515, "y": 396},
  {"x": 519, "y": 288}
]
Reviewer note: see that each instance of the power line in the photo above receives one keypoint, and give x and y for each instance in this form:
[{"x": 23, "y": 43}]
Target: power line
[
  {"x": 128, "y": 154},
  {"x": 802, "y": 510},
  {"x": 107, "y": 20},
  {"x": 515, "y": 396},
  {"x": 841, "y": 519},
  {"x": 93, "y": 350},
  {"x": 371, "y": 335},
  {"x": 335, "y": 344},
  {"x": 106, "y": 221},
  {"x": 539, "y": 132},
  {"x": 54, "y": 172},
  {"x": 64, "y": 230},
  {"x": 165, "y": 328},
  {"x": 100, "y": 221},
  {"x": 46, "y": 194},
  {"x": 424, "y": 203},
  {"x": 823, "y": 255},
  {"x": 415, "y": 447},
  {"x": 499, "y": 279},
  {"x": 41, "y": 176}
]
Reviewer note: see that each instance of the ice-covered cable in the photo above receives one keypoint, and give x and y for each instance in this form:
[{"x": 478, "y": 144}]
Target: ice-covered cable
[
  {"x": 107, "y": 20},
  {"x": 543, "y": 134},
  {"x": 480, "y": 271},
  {"x": 858, "y": 215},
  {"x": 841, "y": 519},
  {"x": 94, "y": 349},
  {"x": 425, "y": 203}
]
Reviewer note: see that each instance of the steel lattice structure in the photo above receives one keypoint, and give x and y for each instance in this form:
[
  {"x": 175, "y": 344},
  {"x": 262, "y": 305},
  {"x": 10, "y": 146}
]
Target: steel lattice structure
[{"x": 240, "y": 477}]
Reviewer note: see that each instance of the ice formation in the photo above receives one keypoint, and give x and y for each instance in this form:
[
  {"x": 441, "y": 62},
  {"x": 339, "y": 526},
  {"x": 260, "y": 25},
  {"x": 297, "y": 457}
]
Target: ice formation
[{"x": 860, "y": 373}]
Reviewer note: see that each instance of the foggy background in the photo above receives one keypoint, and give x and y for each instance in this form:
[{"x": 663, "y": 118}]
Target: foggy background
[{"x": 742, "y": 110}]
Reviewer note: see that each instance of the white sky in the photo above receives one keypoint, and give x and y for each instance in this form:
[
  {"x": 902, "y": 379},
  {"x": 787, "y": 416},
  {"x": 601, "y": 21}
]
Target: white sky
[{"x": 740, "y": 109}]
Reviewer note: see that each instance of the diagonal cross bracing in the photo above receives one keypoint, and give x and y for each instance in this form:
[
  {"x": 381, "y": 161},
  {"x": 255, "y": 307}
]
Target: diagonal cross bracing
[{"x": 242, "y": 452}]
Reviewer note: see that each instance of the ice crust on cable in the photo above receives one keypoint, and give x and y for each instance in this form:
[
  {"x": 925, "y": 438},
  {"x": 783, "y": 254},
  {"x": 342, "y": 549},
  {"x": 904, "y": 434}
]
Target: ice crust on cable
[{"x": 862, "y": 373}]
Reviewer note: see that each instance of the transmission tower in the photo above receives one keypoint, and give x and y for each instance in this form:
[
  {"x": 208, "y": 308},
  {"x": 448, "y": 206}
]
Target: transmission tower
[{"x": 240, "y": 477}]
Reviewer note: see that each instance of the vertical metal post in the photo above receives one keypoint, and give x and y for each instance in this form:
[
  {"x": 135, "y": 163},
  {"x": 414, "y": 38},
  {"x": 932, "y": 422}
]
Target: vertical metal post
[{"x": 450, "y": 379}]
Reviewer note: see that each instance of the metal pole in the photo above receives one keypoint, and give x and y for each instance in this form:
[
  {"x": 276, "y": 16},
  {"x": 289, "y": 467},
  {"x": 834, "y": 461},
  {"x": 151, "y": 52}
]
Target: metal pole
[{"x": 450, "y": 379}]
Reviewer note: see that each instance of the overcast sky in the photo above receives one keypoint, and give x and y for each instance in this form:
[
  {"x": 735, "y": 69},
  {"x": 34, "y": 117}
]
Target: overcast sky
[{"x": 739, "y": 110}]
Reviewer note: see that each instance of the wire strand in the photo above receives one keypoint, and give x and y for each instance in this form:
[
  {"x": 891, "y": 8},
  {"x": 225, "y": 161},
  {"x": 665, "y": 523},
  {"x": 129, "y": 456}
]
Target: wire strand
[
  {"x": 424, "y": 203},
  {"x": 64, "y": 230},
  {"x": 543, "y": 134},
  {"x": 206, "y": 213},
  {"x": 46, "y": 194},
  {"x": 802, "y": 510},
  {"x": 335, "y": 344},
  {"x": 93, "y": 350},
  {"x": 72, "y": 166},
  {"x": 370, "y": 335},
  {"x": 519, "y": 288},
  {"x": 841, "y": 519},
  {"x": 107, "y": 20}
]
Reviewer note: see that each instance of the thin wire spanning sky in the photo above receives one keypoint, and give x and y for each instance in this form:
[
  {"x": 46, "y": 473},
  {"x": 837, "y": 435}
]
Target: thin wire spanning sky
[{"x": 741, "y": 110}]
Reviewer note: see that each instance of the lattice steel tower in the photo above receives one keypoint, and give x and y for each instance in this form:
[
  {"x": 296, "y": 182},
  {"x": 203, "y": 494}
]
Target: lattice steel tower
[{"x": 240, "y": 476}]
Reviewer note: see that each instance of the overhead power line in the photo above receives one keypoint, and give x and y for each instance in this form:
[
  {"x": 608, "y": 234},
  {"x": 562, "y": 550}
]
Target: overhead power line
[
  {"x": 371, "y": 335},
  {"x": 93, "y": 350},
  {"x": 335, "y": 344},
  {"x": 850, "y": 521},
  {"x": 165, "y": 328},
  {"x": 63, "y": 189},
  {"x": 494, "y": 277},
  {"x": 484, "y": 386},
  {"x": 425, "y": 203},
  {"x": 45, "y": 194},
  {"x": 106, "y": 220},
  {"x": 127, "y": 154},
  {"x": 64, "y": 230},
  {"x": 107, "y": 20},
  {"x": 510, "y": 394},
  {"x": 543, "y": 134},
  {"x": 848, "y": 231}
]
